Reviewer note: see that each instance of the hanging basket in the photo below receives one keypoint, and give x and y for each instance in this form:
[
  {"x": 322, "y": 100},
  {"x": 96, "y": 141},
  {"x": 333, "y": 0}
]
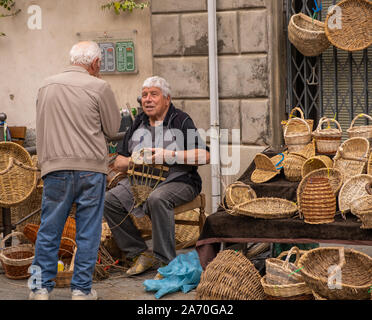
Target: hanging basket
[
  {"x": 307, "y": 35},
  {"x": 355, "y": 268},
  {"x": 315, "y": 163},
  {"x": 230, "y": 276},
  {"x": 298, "y": 126},
  {"x": 296, "y": 140},
  {"x": 327, "y": 140},
  {"x": 361, "y": 131},
  {"x": 355, "y": 25}
]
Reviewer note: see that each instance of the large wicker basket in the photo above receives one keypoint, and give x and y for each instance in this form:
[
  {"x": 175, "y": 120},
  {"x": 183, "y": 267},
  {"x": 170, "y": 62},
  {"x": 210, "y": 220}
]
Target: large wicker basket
[
  {"x": 307, "y": 35},
  {"x": 17, "y": 178},
  {"x": 230, "y": 276},
  {"x": 296, "y": 140},
  {"x": 16, "y": 259},
  {"x": 297, "y": 126},
  {"x": 356, "y": 272},
  {"x": 355, "y": 25},
  {"x": 314, "y": 163},
  {"x": 327, "y": 140}
]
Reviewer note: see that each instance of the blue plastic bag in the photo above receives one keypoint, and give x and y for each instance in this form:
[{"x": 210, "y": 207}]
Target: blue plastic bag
[{"x": 182, "y": 273}]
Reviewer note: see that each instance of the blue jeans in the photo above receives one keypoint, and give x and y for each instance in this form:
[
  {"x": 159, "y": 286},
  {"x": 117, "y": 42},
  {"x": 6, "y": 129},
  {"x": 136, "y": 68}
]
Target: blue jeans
[{"x": 61, "y": 189}]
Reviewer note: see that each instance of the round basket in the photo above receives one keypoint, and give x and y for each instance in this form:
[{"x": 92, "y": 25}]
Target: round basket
[
  {"x": 314, "y": 163},
  {"x": 353, "y": 188},
  {"x": 361, "y": 131},
  {"x": 17, "y": 180},
  {"x": 230, "y": 276},
  {"x": 16, "y": 259},
  {"x": 327, "y": 140},
  {"x": 297, "y": 126},
  {"x": 267, "y": 208},
  {"x": 307, "y": 35},
  {"x": 238, "y": 192},
  {"x": 292, "y": 166},
  {"x": 356, "y": 271},
  {"x": 355, "y": 25},
  {"x": 265, "y": 169},
  {"x": 352, "y": 157},
  {"x": 334, "y": 176},
  {"x": 296, "y": 140}
]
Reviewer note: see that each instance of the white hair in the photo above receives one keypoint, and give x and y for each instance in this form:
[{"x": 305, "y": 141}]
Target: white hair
[
  {"x": 158, "y": 82},
  {"x": 84, "y": 53}
]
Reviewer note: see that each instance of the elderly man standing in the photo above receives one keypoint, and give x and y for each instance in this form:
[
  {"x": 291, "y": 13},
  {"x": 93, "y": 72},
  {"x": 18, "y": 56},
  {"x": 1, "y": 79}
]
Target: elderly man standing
[
  {"x": 75, "y": 110},
  {"x": 171, "y": 137}
]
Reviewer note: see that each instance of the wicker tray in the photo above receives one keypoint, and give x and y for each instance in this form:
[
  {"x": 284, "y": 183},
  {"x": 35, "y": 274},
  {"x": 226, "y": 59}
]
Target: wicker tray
[
  {"x": 356, "y": 25},
  {"x": 356, "y": 273},
  {"x": 353, "y": 188},
  {"x": 267, "y": 208},
  {"x": 265, "y": 169},
  {"x": 314, "y": 163},
  {"x": 230, "y": 276},
  {"x": 335, "y": 180},
  {"x": 307, "y": 35}
]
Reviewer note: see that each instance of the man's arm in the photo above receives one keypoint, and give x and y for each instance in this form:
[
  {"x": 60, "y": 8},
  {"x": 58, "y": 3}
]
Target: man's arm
[{"x": 109, "y": 112}]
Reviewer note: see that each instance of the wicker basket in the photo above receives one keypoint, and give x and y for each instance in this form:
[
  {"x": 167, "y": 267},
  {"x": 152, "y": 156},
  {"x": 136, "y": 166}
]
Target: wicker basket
[
  {"x": 63, "y": 278},
  {"x": 298, "y": 291},
  {"x": 16, "y": 259},
  {"x": 292, "y": 166},
  {"x": 230, "y": 276},
  {"x": 297, "y": 126},
  {"x": 362, "y": 208},
  {"x": 317, "y": 296},
  {"x": 361, "y": 131},
  {"x": 185, "y": 235},
  {"x": 267, "y": 208},
  {"x": 353, "y": 188},
  {"x": 307, "y": 35},
  {"x": 354, "y": 32},
  {"x": 356, "y": 271},
  {"x": 369, "y": 165},
  {"x": 238, "y": 192},
  {"x": 334, "y": 176},
  {"x": 296, "y": 140},
  {"x": 329, "y": 139},
  {"x": 352, "y": 157},
  {"x": 17, "y": 175},
  {"x": 265, "y": 169},
  {"x": 314, "y": 163}
]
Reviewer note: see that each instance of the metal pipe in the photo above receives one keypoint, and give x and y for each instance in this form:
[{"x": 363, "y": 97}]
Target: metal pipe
[{"x": 214, "y": 106}]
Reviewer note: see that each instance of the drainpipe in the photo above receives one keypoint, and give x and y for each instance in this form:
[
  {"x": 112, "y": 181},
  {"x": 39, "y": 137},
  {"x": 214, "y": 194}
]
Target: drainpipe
[{"x": 214, "y": 106}]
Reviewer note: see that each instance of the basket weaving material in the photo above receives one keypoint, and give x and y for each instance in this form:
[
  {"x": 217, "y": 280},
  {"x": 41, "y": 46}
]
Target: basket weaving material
[
  {"x": 292, "y": 166},
  {"x": 16, "y": 259},
  {"x": 265, "y": 169},
  {"x": 230, "y": 276},
  {"x": 296, "y": 140},
  {"x": 314, "y": 163},
  {"x": 352, "y": 157},
  {"x": 355, "y": 32},
  {"x": 297, "y": 126},
  {"x": 362, "y": 208},
  {"x": 361, "y": 131},
  {"x": 267, "y": 208},
  {"x": 238, "y": 192},
  {"x": 334, "y": 176},
  {"x": 329, "y": 139},
  {"x": 17, "y": 181},
  {"x": 356, "y": 272},
  {"x": 353, "y": 188},
  {"x": 307, "y": 35}
]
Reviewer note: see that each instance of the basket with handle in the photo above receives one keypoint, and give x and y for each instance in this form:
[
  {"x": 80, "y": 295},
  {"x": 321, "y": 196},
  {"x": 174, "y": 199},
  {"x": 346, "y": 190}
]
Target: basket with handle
[
  {"x": 296, "y": 140},
  {"x": 327, "y": 140},
  {"x": 265, "y": 169},
  {"x": 236, "y": 193},
  {"x": 361, "y": 131},
  {"x": 292, "y": 166},
  {"x": 16, "y": 259},
  {"x": 315, "y": 163},
  {"x": 362, "y": 208},
  {"x": 63, "y": 278},
  {"x": 298, "y": 126}
]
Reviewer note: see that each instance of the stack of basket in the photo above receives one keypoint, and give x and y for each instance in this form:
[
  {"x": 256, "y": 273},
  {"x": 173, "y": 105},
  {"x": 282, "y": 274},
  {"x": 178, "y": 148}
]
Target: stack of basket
[{"x": 283, "y": 281}]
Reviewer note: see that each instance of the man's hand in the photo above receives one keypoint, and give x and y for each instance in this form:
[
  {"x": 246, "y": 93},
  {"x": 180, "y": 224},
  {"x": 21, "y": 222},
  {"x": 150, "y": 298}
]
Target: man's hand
[{"x": 159, "y": 156}]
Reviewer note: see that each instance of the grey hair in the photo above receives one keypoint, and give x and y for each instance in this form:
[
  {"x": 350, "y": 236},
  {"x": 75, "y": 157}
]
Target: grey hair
[
  {"x": 85, "y": 52},
  {"x": 158, "y": 82}
]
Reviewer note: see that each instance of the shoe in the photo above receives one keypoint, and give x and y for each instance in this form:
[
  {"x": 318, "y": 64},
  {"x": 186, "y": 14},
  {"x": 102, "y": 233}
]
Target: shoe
[
  {"x": 40, "y": 294},
  {"x": 80, "y": 295},
  {"x": 142, "y": 263}
]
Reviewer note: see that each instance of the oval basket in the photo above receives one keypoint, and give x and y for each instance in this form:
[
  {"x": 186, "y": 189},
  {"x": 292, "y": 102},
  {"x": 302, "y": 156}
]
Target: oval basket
[
  {"x": 327, "y": 140},
  {"x": 297, "y": 126},
  {"x": 267, "y": 208},
  {"x": 352, "y": 157},
  {"x": 352, "y": 189},
  {"x": 17, "y": 181},
  {"x": 265, "y": 169},
  {"x": 296, "y": 140},
  {"x": 238, "y": 192},
  {"x": 361, "y": 131},
  {"x": 314, "y": 163},
  {"x": 354, "y": 32},
  {"x": 292, "y": 166},
  {"x": 230, "y": 276},
  {"x": 356, "y": 268},
  {"x": 334, "y": 176},
  {"x": 16, "y": 259},
  {"x": 307, "y": 35}
]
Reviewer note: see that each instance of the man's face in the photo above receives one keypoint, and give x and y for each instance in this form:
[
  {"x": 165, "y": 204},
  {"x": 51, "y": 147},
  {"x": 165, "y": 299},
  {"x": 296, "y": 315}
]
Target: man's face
[{"x": 154, "y": 104}]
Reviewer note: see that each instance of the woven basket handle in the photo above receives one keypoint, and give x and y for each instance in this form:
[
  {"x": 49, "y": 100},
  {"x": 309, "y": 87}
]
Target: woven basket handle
[
  {"x": 328, "y": 120},
  {"x": 299, "y": 111},
  {"x": 361, "y": 159},
  {"x": 14, "y": 162},
  {"x": 297, "y": 119},
  {"x": 369, "y": 188},
  {"x": 360, "y": 115},
  {"x": 286, "y": 262},
  {"x": 13, "y": 234}
]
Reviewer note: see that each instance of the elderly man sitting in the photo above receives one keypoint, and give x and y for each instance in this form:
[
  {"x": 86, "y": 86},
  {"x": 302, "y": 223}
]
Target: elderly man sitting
[{"x": 170, "y": 137}]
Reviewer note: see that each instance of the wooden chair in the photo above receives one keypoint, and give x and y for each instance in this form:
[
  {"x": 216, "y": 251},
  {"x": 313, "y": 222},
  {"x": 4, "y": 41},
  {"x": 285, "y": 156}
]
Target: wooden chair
[{"x": 18, "y": 134}]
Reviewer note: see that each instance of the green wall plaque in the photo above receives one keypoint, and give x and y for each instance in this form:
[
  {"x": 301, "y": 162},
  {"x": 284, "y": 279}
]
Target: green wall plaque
[{"x": 125, "y": 56}]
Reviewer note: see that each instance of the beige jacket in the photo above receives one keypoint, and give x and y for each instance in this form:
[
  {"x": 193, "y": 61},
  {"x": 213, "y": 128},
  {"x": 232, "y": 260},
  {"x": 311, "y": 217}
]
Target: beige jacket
[{"x": 74, "y": 113}]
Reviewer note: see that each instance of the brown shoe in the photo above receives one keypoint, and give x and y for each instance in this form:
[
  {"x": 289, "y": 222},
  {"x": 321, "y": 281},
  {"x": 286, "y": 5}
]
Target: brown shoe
[{"x": 142, "y": 263}]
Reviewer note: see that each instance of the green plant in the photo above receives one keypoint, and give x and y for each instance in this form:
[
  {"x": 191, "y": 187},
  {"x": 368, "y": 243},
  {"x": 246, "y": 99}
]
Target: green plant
[{"x": 124, "y": 5}]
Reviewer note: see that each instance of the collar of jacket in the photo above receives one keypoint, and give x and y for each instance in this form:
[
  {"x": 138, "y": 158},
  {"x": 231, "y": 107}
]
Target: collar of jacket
[
  {"x": 74, "y": 68},
  {"x": 171, "y": 113}
]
